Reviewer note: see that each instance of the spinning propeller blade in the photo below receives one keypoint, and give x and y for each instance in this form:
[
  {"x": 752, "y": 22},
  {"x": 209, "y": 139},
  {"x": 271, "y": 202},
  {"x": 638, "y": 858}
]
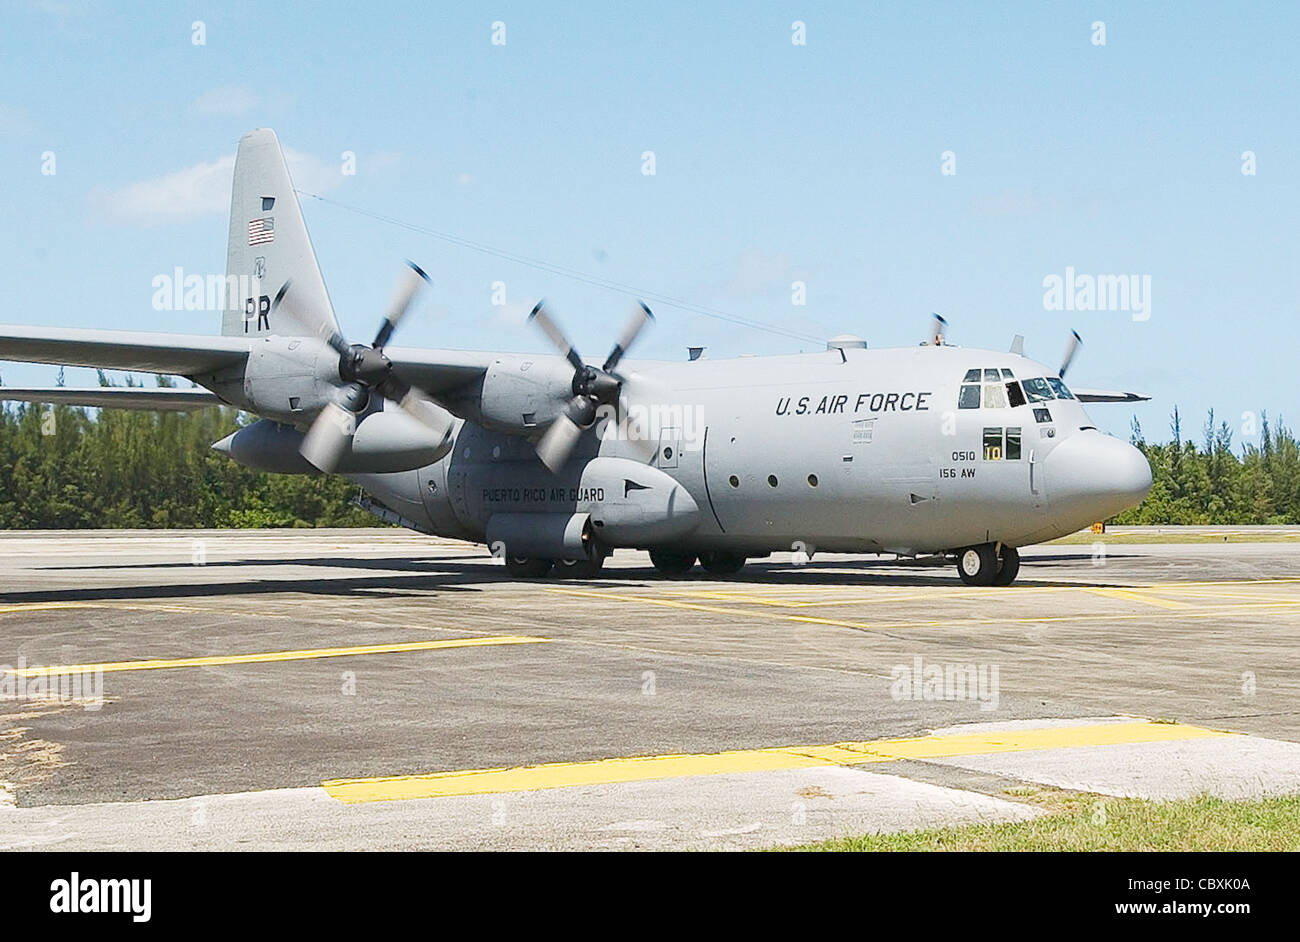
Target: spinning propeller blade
[
  {"x": 363, "y": 370},
  {"x": 592, "y": 387}
]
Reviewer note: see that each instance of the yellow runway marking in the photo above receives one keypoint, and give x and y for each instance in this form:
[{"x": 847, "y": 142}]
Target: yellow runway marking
[
  {"x": 647, "y": 768},
  {"x": 991, "y": 622},
  {"x": 1129, "y": 595},
  {"x": 270, "y": 656},
  {"x": 126, "y": 606}
]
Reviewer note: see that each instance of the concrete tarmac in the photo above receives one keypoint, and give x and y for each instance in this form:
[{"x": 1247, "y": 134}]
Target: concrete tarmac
[{"x": 374, "y": 688}]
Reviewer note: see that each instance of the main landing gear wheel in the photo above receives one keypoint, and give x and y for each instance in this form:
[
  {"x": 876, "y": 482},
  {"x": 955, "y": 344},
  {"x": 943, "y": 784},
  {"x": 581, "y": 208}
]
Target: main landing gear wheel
[
  {"x": 527, "y": 567},
  {"x": 978, "y": 565},
  {"x": 579, "y": 568},
  {"x": 1008, "y": 566},
  {"x": 672, "y": 563},
  {"x": 722, "y": 564}
]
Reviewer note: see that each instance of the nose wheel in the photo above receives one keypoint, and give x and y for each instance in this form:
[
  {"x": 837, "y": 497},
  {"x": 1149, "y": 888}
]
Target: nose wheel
[{"x": 986, "y": 564}]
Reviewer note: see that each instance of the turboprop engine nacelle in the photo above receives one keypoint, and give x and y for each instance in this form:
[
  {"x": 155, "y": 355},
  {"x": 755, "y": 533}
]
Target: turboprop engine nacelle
[
  {"x": 519, "y": 394},
  {"x": 384, "y": 442},
  {"x": 284, "y": 378}
]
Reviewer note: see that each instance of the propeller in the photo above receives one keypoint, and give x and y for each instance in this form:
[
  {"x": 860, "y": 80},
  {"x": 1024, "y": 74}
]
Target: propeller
[
  {"x": 1071, "y": 348},
  {"x": 592, "y": 386},
  {"x": 938, "y": 329},
  {"x": 364, "y": 371}
]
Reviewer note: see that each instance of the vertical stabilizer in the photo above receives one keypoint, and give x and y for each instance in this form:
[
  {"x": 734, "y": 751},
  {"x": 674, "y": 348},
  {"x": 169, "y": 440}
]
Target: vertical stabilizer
[{"x": 268, "y": 246}]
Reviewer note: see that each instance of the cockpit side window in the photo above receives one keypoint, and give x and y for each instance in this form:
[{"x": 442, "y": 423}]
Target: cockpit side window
[
  {"x": 1037, "y": 390},
  {"x": 1058, "y": 387},
  {"x": 1015, "y": 395}
]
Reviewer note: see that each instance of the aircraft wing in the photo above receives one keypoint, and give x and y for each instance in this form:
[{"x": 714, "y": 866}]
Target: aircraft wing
[
  {"x": 437, "y": 371},
  {"x": 161, "y": 399},
  {"x": 1107, "y": 395},
  {"x": 179, "y": 354}
]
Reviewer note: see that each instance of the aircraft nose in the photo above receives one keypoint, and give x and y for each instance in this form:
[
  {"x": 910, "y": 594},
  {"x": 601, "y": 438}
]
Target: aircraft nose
[{"x": 1091, "y": 476}]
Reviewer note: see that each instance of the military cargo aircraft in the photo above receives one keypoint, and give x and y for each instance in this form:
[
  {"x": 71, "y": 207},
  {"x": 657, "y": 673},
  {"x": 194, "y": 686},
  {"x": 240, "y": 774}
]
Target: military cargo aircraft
[{"x": 554, "y": 462}]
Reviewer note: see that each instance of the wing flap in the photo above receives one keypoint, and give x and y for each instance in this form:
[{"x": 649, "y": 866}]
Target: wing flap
[{"x": 179, "y": 354}]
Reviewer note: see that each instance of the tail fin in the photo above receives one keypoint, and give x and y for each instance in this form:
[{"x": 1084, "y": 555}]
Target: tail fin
[{"x": 268, "y": 246}]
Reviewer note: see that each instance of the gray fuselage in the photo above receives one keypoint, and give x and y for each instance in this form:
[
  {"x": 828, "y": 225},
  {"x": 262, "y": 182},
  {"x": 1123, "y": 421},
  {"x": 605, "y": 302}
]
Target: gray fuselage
[{"x": 850, "y": 450}]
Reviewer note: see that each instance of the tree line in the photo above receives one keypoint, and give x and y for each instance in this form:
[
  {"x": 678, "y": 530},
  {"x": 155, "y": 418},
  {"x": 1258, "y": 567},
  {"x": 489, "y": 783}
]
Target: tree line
[
  {"x": 1208, "y": 482},
  {"x": 63, "y": 467}
]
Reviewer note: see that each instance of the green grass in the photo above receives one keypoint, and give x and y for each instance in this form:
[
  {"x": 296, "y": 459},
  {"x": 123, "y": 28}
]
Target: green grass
[{"x": 1092, "y": 822}]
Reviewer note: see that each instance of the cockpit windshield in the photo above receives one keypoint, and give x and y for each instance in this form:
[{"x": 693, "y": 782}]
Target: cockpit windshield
[
  {"x": 1058, "y": 387},
  {"x": 1037, "y": 390},
  {"x": 997, "y": 389}
]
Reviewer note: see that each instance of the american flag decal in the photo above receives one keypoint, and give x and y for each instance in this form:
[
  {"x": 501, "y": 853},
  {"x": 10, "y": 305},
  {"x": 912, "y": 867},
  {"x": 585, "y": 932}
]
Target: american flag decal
[{"x": 261, "y": 231}]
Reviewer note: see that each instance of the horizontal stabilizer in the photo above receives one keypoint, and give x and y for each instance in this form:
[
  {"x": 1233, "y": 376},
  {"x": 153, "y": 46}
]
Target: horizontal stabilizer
[{"x": 162, "y": 399}]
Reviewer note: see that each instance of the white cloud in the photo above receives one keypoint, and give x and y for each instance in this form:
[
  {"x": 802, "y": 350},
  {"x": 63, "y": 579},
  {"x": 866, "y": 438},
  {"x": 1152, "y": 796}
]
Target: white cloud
[
  {"x": 227, "y": 100},
  {"x": 200, "y": 190}
]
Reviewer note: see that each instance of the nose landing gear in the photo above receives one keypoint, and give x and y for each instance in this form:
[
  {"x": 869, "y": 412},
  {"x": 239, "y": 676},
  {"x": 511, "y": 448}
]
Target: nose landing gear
[{"x": 988, "y": 564}]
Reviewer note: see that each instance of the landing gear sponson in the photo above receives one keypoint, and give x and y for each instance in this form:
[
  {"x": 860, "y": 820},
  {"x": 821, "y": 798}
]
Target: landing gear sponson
[
  {"x": 667, "y": 562},
  {"x": 988, "y": 564}
]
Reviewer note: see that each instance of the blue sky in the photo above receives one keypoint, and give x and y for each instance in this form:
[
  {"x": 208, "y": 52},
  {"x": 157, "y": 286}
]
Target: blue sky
[{"x": 774, "y": 163}]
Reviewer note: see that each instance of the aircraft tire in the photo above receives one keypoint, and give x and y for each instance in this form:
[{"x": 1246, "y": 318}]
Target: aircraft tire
[
  {"x": 977, "y": 565},
  {"x": 671, "y": 562},
  {"x": 528, "y": 567},
  {"x": 1008, "y": 566},
  {"x": 579, "y": 568},
  {"x": 722, "y": 564}
]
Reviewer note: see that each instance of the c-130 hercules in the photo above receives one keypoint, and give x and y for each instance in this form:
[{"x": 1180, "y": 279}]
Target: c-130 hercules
[{"x": 554, "y": 462}]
